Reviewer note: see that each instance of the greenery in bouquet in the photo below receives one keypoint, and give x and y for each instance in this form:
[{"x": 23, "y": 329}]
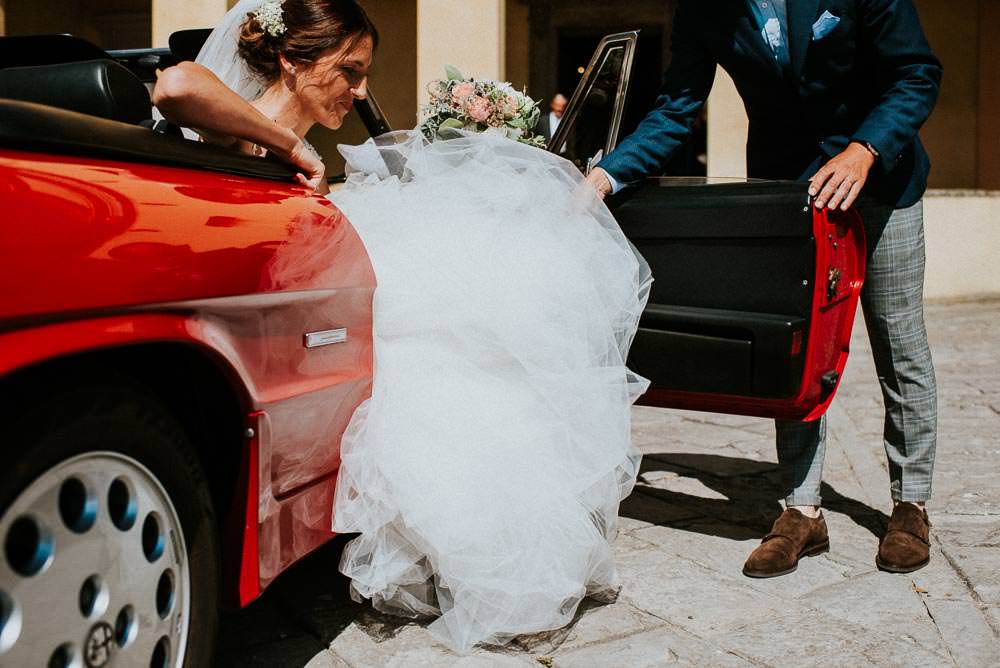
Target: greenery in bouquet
[{"x": 459, "y": 103}]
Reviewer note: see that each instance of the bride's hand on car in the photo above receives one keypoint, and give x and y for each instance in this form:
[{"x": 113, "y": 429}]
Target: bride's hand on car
[
  {"x": 313, "y": 171},
  {"x": 313, "y": 174}
]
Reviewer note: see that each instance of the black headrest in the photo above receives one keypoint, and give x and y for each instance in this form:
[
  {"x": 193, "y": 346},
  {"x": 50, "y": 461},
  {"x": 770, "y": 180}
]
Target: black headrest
[
  {"x": 185, "y": 44},
  {"x": 96, "y": 87}
]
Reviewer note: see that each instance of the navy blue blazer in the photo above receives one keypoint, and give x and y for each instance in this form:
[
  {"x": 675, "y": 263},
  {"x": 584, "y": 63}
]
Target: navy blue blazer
[{"x": 872, "y": 79}]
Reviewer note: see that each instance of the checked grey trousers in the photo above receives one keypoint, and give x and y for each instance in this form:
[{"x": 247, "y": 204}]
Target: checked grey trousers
[{"x": 892, "y": 301}]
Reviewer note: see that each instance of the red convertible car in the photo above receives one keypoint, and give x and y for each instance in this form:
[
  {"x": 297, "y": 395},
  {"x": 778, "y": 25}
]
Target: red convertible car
[{"x": 162, "y": 454}]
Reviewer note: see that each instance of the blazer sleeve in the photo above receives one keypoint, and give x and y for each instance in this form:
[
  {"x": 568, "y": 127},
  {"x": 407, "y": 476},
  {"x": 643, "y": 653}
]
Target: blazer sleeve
[
  {"x": 687, "y": 83},
  {"x": 909, "y": 73}
]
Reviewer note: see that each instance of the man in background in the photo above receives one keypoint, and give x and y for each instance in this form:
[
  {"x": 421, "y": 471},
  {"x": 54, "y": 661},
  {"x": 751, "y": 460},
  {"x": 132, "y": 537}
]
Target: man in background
[{"x": 549, "y": 123}]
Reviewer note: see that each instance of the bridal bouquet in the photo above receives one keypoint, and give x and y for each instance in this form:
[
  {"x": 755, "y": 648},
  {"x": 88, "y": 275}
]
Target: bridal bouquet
[{"x": 467, "y": 104}]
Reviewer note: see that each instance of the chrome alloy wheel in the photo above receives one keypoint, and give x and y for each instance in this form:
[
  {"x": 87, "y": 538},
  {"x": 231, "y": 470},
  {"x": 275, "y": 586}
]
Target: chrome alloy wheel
[{"x": 94, "y": 570}]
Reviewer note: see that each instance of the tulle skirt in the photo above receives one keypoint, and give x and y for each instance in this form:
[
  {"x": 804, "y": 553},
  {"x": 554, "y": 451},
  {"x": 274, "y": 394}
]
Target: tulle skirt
[{"x": 484, "y": 474}]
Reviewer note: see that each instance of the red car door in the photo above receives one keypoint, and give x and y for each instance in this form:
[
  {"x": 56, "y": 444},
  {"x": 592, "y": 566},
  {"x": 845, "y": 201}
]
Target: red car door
[{"x": 754, "y": 291}]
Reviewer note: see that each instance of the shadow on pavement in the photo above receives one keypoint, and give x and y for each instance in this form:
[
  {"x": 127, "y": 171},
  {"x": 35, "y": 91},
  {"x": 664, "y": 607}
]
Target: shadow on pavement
[
  {"x": 297, "y": 617},
  {"x": 751, "y": 490},
  {"x": 310, "y": 605}
]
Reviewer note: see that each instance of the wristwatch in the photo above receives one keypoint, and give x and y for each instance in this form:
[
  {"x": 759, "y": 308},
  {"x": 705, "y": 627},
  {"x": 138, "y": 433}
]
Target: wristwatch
[{"x": 871, "y": 149}]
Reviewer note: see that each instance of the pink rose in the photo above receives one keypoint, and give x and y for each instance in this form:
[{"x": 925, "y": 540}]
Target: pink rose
[
  {"x": 478, "y": 108},
  {"x": 510, "y": 107},
  {"x": 462, "y": 91}
]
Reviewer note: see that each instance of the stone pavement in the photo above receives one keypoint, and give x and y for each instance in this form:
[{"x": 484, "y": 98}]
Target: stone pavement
[{"x": 706, "y": 495}]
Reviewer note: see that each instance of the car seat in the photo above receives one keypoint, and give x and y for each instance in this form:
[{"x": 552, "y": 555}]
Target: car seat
[{"x": 101, "y": 88}]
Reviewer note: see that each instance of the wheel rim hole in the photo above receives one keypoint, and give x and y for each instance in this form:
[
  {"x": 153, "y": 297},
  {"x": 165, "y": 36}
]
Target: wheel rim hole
[
  {"x": 165, "y": 594},
  {"x": 10, "y": 622},
  {"x": 94, "y": 597},
  {"x": 28, "y": 546},
  {"x": 77, "y": 505},
  {"x": 122, "y": 504},
  {"x": 65, "y": 656},
  {"x": 125, "y": 626},
  {"x": 161, "y": 653},
  {"x": 153, "y": 540}
]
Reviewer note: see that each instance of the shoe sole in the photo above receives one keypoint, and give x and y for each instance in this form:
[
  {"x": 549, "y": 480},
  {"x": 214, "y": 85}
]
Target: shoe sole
[
  {"x": 889, "y": 568},
  {"x": 814, "y": 551}
]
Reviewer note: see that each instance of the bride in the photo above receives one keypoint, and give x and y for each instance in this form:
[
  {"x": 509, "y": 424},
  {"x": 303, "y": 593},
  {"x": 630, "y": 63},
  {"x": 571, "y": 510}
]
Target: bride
[{"x": 484, "y": 474}]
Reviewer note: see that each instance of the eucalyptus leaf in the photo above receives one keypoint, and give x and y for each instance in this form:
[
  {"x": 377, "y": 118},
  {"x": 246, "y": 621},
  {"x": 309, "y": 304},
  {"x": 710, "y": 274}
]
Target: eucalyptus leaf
[
  {"x": 453, "y": 73},
  {"x": 452, "y": 123}
]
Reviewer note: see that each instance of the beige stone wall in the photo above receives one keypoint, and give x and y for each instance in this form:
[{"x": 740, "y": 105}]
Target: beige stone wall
[
  {"x": 172, "y": 15},
  {"x": 963, "y": 239},
  {"x": 468, "y": 34},
  {"x": 727, "y": 129},
  {"x": 393, "y": 72}
]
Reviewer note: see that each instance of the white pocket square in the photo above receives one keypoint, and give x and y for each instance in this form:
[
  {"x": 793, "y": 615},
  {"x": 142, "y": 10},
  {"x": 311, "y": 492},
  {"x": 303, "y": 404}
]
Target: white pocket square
[{"x": 824, "y": 25}]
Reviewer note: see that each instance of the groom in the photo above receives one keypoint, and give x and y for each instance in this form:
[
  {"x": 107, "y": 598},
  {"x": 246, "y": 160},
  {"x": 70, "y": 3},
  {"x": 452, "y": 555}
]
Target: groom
[{"x": 836, "y": 91}]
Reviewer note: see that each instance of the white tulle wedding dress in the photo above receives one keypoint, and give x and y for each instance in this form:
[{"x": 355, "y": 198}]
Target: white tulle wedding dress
[{"x": 484, "y": 474}]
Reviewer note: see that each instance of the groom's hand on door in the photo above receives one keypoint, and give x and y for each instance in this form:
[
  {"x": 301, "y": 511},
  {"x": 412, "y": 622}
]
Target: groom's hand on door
[
  {"x": 598, "y": 179},
  {"x": 839, "y": 182}
]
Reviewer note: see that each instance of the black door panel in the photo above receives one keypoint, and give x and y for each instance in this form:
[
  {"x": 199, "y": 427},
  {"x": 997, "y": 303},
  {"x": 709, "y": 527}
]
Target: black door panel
[
  {"x": 732, "y": 296},
  {"x": 720, "y": 351},
  {"x": 693, "y": 362},
  {"x": 743, "y": 246}
]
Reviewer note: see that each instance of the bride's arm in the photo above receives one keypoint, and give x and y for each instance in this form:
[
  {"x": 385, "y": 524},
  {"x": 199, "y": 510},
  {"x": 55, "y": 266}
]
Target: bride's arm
[{"x": 191, "y": 96}]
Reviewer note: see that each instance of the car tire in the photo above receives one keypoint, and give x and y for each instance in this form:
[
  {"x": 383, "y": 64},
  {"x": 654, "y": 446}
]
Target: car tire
[{"x": 65, "y": 447}]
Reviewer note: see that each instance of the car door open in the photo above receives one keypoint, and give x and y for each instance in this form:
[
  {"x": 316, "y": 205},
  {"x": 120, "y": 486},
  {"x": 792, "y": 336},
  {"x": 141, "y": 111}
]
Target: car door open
[{"x": 755, "y": 290}]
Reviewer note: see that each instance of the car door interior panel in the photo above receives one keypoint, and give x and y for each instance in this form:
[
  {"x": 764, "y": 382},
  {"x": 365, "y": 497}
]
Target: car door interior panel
[
  {"x": 754, "y": 291},
  {"x": 753, "y": 298},
  {"x": 732, "y": 268}
]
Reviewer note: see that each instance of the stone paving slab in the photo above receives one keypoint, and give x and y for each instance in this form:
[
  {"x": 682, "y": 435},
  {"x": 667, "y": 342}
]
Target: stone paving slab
[
  {"x": 816, "y": 640},
  {"x": 659, "y": 647},
  {"x": 327, "y": 659},
  {"x": 706, "y": 494}
]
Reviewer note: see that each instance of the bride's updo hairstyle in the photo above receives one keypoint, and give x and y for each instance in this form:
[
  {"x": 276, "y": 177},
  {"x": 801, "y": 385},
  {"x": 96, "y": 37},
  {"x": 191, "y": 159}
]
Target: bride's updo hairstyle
[{"x": 312, "y": 28}]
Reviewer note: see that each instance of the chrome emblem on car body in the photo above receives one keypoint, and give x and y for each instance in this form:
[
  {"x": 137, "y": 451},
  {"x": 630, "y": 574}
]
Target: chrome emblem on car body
[{"x": 325, "y": 338}]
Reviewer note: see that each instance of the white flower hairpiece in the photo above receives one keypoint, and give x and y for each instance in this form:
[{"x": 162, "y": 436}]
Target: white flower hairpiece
[{"x": 271, "y": 18}]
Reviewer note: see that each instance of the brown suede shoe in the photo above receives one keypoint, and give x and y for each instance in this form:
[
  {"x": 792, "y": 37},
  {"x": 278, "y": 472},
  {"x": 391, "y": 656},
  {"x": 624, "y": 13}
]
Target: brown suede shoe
[
  {"x": 906, "y": 546},
  {"x": 792, "y": 537}
]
